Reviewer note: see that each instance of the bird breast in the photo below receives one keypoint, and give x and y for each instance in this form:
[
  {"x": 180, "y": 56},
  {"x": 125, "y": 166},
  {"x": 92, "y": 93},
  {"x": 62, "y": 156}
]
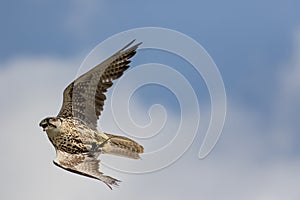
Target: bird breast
[{"x": 53, "y": 133}]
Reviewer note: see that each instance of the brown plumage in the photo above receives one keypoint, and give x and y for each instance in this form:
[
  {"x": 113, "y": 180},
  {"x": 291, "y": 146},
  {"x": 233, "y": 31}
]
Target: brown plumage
[
  {"x": 84, "y": 98},
  {"x": 122, "y": 146},
  {"x": 74, "y": 131}
]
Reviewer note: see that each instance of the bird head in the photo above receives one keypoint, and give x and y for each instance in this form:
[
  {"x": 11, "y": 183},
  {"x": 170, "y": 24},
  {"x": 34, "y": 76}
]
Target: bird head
[{"x": 50, "y": 123}]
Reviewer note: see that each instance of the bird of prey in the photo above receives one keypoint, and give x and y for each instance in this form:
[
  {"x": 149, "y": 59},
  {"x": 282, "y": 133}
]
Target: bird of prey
[{"x": 73, "y": 132}]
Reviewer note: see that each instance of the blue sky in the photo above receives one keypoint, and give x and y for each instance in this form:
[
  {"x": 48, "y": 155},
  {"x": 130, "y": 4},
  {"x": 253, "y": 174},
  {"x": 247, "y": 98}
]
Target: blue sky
[
  {"x": 244, "y": 38},
  {"x": 255, "y": 44}
]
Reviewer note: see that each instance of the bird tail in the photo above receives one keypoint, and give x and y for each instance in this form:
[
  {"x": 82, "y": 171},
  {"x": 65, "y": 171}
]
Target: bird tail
[{"x": 122, "y": 146}]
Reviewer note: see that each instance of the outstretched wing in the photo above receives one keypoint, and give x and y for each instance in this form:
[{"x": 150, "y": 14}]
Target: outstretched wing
[
  {"x": 84, "y": 98},
  {"x": 83, "y": 164}
]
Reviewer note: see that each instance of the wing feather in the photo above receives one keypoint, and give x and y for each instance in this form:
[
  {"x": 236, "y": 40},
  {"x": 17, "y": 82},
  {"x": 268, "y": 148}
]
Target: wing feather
[
  {"x": 84, "y": 98},
  {"x": 83, "y": 164}
]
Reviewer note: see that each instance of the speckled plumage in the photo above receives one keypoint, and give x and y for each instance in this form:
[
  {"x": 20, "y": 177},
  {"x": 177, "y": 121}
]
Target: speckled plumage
[{"x": 74, "y": 132}]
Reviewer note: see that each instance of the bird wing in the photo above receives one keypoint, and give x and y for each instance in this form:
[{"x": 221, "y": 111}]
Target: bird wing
[
  {"x": 84, "y": 98},
  {"x": 83, "y": 164}
]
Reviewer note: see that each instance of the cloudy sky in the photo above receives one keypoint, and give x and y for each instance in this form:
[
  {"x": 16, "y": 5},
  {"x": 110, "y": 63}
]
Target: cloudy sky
[{"x": 256, "y": 47}]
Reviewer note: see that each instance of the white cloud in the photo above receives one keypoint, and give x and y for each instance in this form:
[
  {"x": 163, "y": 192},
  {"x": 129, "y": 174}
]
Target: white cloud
[
  {"x": 240, "y": 167},
  {"x": 286, "y": 103}
]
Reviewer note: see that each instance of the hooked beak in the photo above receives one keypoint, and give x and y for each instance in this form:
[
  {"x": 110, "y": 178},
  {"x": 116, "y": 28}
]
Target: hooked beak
[{"x": 43, "y": 125}]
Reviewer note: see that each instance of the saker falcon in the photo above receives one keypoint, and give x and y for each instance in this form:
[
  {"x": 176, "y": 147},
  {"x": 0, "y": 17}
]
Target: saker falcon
[{"x": 73, "y": 132}]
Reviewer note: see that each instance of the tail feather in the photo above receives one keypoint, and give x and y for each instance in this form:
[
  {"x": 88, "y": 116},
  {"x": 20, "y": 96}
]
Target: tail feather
[{"x": 122, "y": 146}]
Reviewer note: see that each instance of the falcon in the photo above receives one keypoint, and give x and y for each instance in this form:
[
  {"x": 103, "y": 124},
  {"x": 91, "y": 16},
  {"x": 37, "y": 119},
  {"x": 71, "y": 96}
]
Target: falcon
[{"x": 73, "y": 132}]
